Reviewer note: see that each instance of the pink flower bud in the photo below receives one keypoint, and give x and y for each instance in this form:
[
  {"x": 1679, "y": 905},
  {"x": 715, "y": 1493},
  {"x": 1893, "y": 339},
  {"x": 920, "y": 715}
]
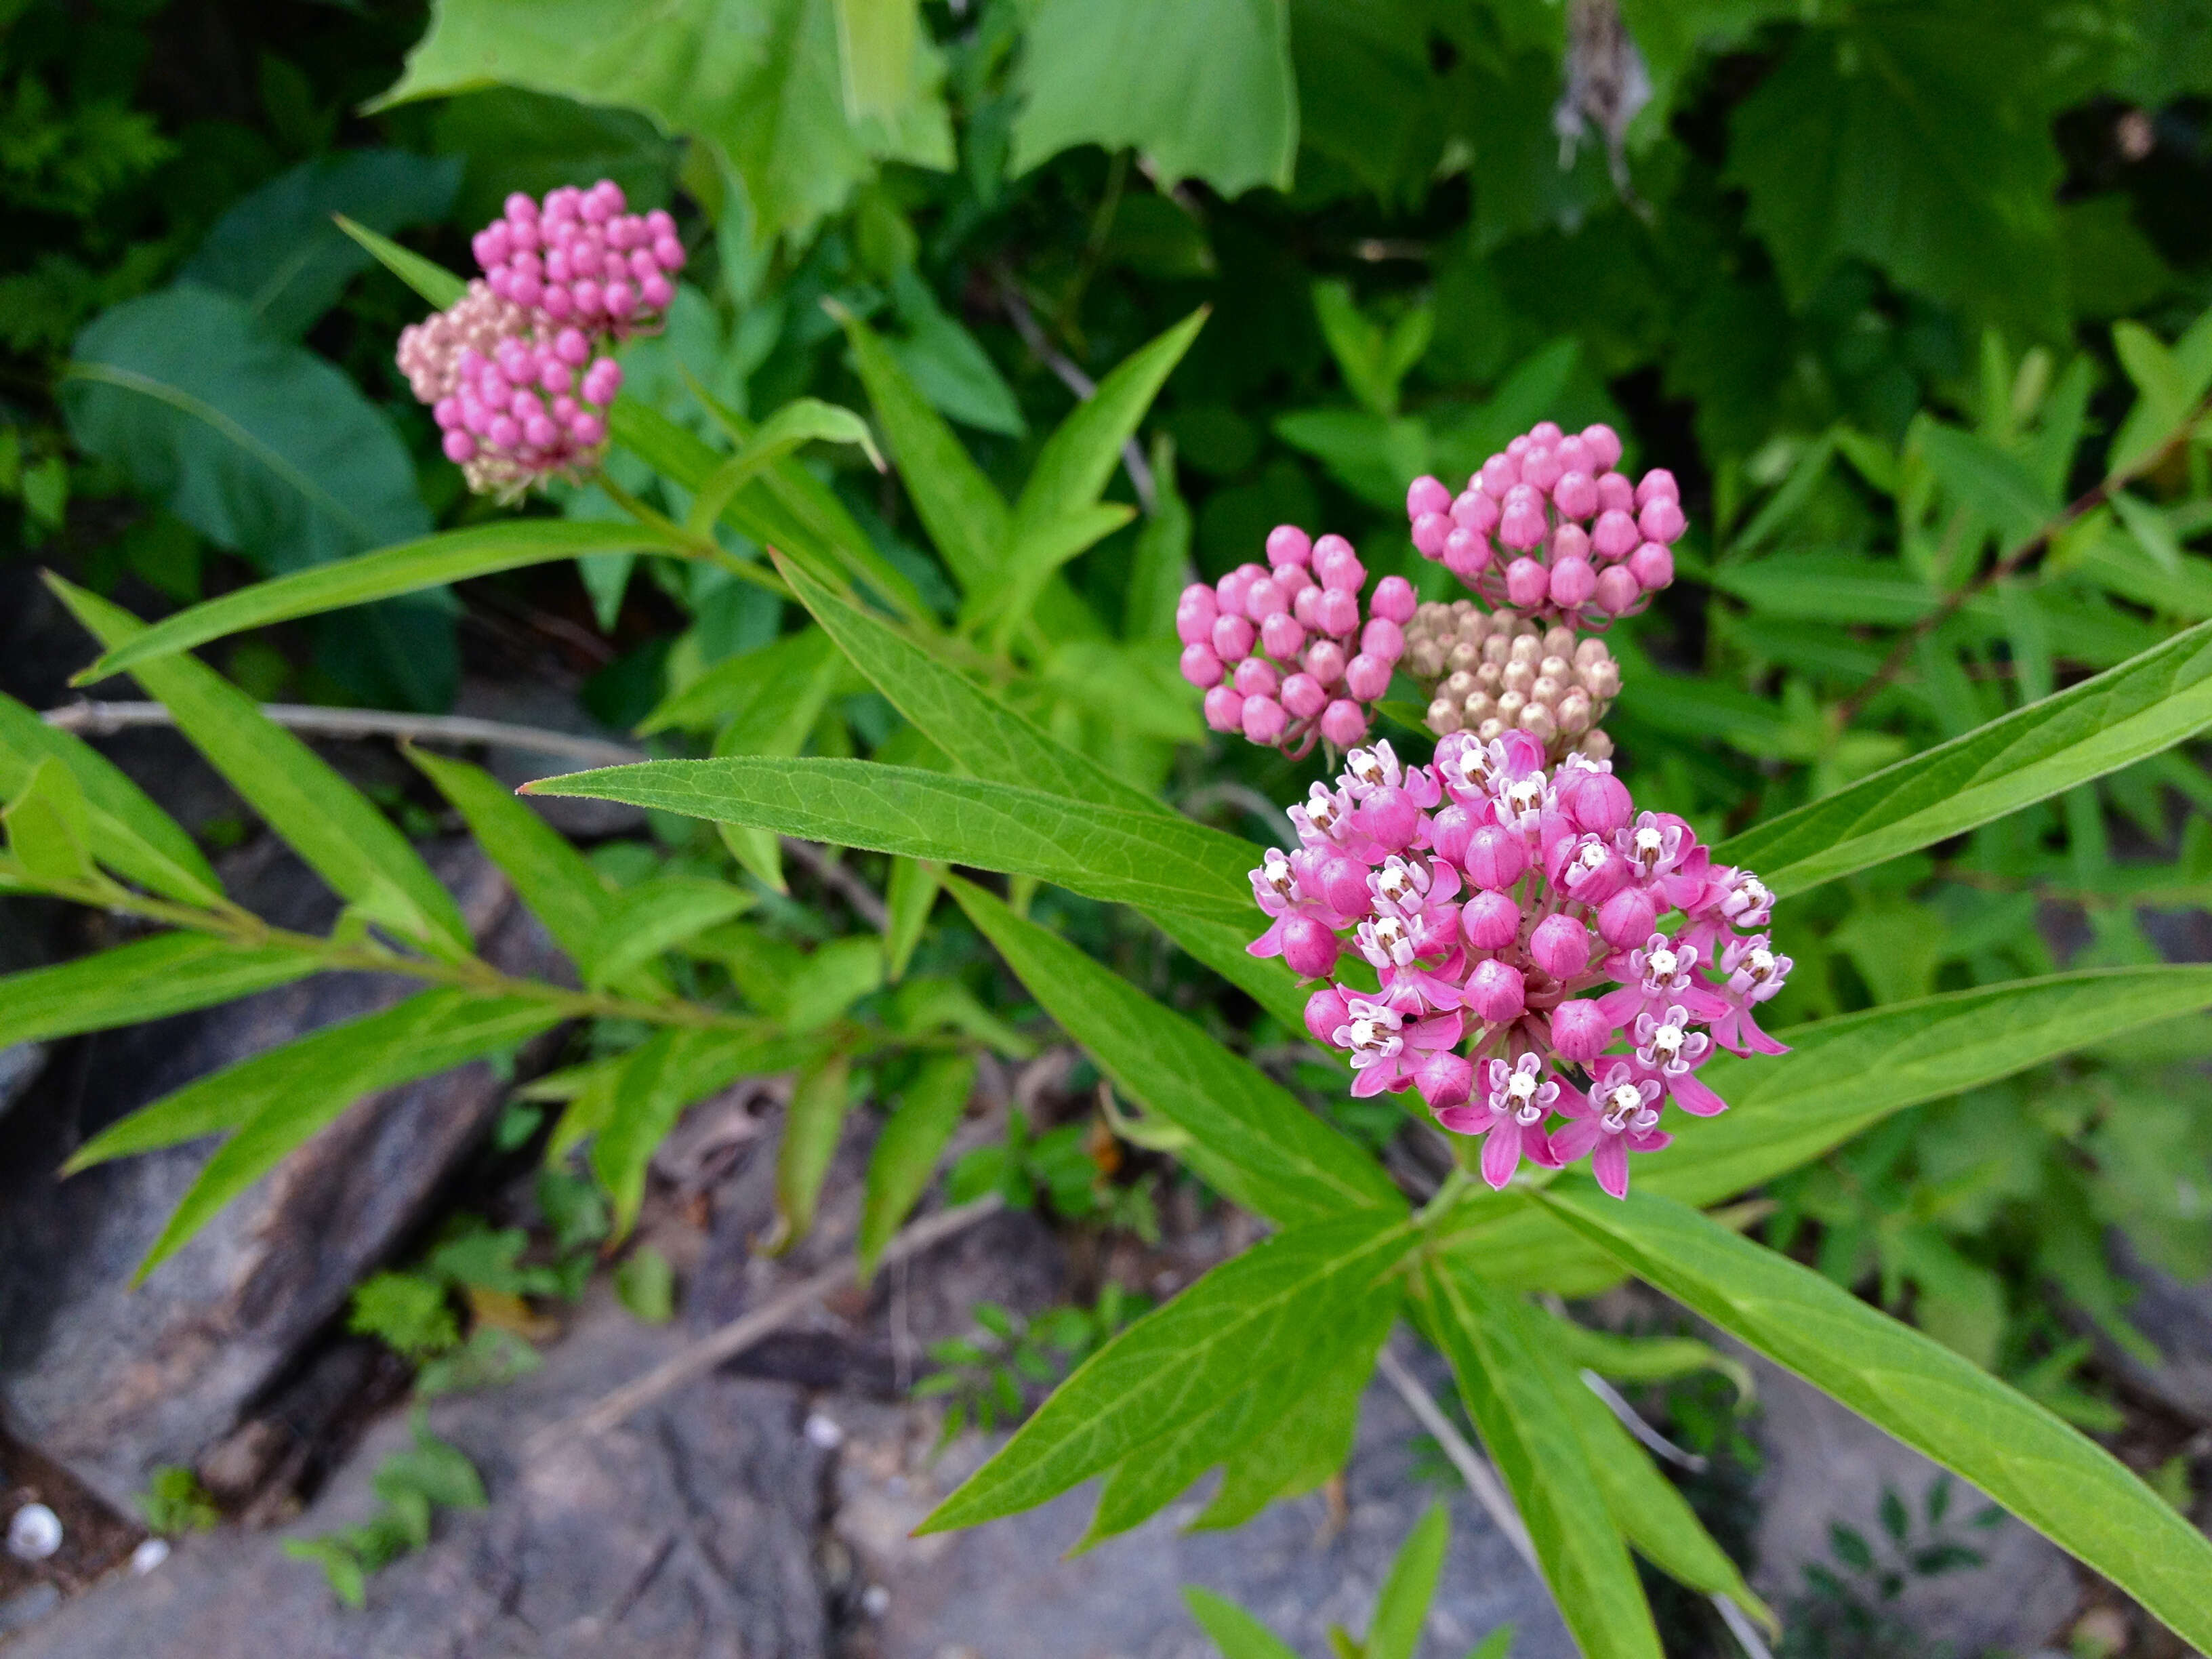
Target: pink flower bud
[
  {"x": 458, "y": 446},
  {"x": 1662, "y": 519},
  {"x": 1521, "y": 523},
  {"x": 1195, "y": 614},
  {"x": 1225, "y": 709},
  {"x": 1490, "y": 920},
  {"x": 1337, "y": 566},
  {"x": 1627, "y": 918},
  {"x": 1305, "y": 608},
  {"x": 1393, "y": 597},
  {"x": 1429, "y": 533},
  {"x": 1288, "y": 544},
  {"x": 1366, "y": 677},
  {"x": 1475, "y": 509},
  {"x": 1302, "y": 696},
  {"x": 1615, "y": 493},
  {"x": 1528, "y": 584},
  {"x": 1575, "y": 495},
  {"x": 1617, "y": 589},
  {"x": 658, "y": 291},
  {"x": 1499, "y": 474},
  {"x": 1337, "y": 612},
  {"x": 1308, "y": 947},
  {"x": 572, "y": 347},
  {"x": 1560, "y": 946},
  {"x": 1544, "y": 432},
  {"x": 1343, "y": 723},
  {"x": 1426, "y": 494},
  {"x": 1450, "y": 831},
  {"x": 1656, "y": 483},
  {"x": 1580, "y": 1031},
  {"x": 1445, "y": 1079},
  {"x": 1324, "y": 661},
  {"x": 1255, "y": 678},
  {"x": 1574, "y": 453},
  {"x": 1572, "y": 582},
  {"x": 1200, "y": 667},
  {"x": 619, "y": 298},
  {"x": 1651, "y": 564},
  {"x": 1341, "y": 883},
  {"x": 1495, "y": 992},
  {"x": 1281, "y": 636},
  {"x": 1387, "y": 814},
  {"x": 1467, "y": 553},
  {"x": 1598, "y": 802},
  {"x": 1495, "y": 857},
  {"x": 1264, "y": 718},
  {"x": 587, "y": 430},
  {"x": 1615, "y": 536},
  {"x": 1570, "y": 541},
  {"x": 1604, "y": 446},
  {"x": 1540, "y": 468},
  {"x": 1231, "y": 589},
  {"x": 1382, "y": 639},
  {"x": 1326, "y": 1014},
  {"x": 1232, "y": 638},
  {"x": 1519, "y": 446},
  {"x": 1264, "y": 599},
  {"x": 519, "y": 208}
]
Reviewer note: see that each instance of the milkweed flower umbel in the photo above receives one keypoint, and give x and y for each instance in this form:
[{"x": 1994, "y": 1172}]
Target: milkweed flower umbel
[{"x": 1553, "y": 966}]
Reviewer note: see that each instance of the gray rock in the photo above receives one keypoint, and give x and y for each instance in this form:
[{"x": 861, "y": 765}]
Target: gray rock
[
  {"x": 2176, "y": 1317},
  {"x": 19, "y": 1066},
  {"x": 688, "y": 1533},
  {"x": 1008, "y": 1590},
  {"x": 1826, "y": 1465},
  {"x": 111, "y": 1382}
]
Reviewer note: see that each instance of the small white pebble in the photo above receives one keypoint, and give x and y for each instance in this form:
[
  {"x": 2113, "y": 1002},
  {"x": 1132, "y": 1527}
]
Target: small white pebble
[
  {"x": 34, "y": 1534},
  {"x": 150, "y": 1555},
  {"x": 875, "y": 1600},
  {"x": 824, "y": 1432}
]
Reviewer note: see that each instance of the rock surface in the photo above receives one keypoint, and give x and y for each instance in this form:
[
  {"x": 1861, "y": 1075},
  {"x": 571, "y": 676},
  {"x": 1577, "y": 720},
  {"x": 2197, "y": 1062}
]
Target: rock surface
[
  {"x": 2176, "y": 1317},
  {"x": 113, "y": 1382}
]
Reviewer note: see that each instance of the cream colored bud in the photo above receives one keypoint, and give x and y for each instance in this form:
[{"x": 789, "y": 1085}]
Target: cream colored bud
[
  {"x": 1574, "y": 712},
  {"x": 1459, "y": 685},
  {"x": 1434, "y": 617},
  {"x": 1590, "y": 651},
  {"x": 1557, "y": 667},
  {"x": 1490, "y": 677},
  {"x": 1479, "y": 706},
  {"x": 1497, "y": 648},
  {"x": 1519, "y": 676},
  {"x": 1443, "y": 717},
  {"x": 1491, "y": 730},
  {"x": 1560, "y": 641},
  {"x": 1547, "y": 689},
  {"x": 1537, "y": 721},
  {"x": 1510, "y": 705},
  {"x": 1597, "y": 745},
  {"x": 1461, "y": 656},
  {"x": 1426, "y": 659},
  {"x": 1525, "y": 648},
  {"x": 1603, "y": 680}
]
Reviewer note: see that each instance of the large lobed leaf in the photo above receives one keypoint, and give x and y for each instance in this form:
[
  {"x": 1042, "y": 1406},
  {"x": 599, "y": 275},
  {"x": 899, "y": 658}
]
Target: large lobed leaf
[
  {"x": 2049, "y": 1475},
  {"x": 2146, "y": 704}
]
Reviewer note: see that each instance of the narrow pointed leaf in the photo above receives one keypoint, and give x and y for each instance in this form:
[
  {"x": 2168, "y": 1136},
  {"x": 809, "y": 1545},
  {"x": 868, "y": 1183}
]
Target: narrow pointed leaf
[
  {"x": 1310, "y": 1443},
  {"x": 811, "y": 1126},
  {"x": 1402, "y": 1607},
  {"x": 1104, "y": 853},
  {"x": 48, "y": 827},
  {"x": 1940, "y": 1404},
  {"x": 1082, "y": 451},
  {"x": 146, "y": 979},
  {"x": 1235, "y": 1631},
  {"x": 1250, "y": 1136},
  {"x": 426, "y": 276},
  {"x": 908, "y": 897},
  {"x": 411, "y": 568},
  {"x": 1036, "y": 556},
  {"x": 906, "y": 1153},
  {"x": 656, "y": 916},
  {"x": 802, "y": 421},
  {"x": 2146, "y": 704},
  {"x": 131, "y": 835}
]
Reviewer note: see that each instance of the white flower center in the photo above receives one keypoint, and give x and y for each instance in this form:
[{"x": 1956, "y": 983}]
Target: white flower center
[
  {"x": 1762, "y": 964},
  {"x": 1525, "y": 794},
  {"x": 1395, "y": 885},
  {"x": 1521, "y": 1088},
  {"x": 1624, "y": 1102},
  {"x": 1666, "y": 1042},
  {"x": 1592, "y": 857},
  {"x": 1664, "y": 964},
  {"x": 1275, "y": 870},
  {"x": 1647, "y": 843},
  {"x": 1367, "y": 1034}
]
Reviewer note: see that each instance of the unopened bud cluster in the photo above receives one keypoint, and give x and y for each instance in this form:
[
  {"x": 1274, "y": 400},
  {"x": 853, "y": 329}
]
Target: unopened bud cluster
[
  {"x": 1492, "y": 672},
  {"x": 1573, "y": 538},
  {"x": 1284, "y": 654},
  {"x": 514, "y": 371}
]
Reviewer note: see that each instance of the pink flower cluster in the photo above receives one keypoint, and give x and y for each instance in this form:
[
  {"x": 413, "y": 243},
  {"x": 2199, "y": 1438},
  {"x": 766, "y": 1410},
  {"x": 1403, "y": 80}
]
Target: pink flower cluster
[
  {"x": 1491, "y": 898},
  {"x": 582, "y": 257},
  {"x": 1282, "y": 653},
  {"x": 1575, "y": 538}
]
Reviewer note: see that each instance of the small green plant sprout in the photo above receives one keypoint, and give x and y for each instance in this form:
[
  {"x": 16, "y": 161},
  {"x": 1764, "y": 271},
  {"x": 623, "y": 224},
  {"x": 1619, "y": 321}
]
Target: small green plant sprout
[
  {"x": 1849, "y": 1610},
  {"x": 982, "y": 1373},
  {"x": 412, "y": 1485},
  {"x": 646, "y": 1285},
  {"x": 1394, "y": 1633},
  {"x": 175, "y": 1503}
]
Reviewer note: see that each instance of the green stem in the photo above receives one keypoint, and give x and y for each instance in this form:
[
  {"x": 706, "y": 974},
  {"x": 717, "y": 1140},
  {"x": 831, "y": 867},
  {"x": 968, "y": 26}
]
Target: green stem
[{"x": 684, "y": 543}]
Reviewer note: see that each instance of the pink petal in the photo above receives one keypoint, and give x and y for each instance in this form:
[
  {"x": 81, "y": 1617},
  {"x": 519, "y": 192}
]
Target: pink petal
[
  {"x": 1609, "y": 1164},
  {"x": 1694, "y": 1097},
  {"x": 1501, "y": 1153},
  {"x": 1467, "y": 1120},
  {"x": 1571, "y": 1140}
]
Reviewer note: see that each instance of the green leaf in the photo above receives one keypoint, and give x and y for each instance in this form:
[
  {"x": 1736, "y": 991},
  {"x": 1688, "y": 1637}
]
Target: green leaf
[
  {"x": 276, "y": 249},
  {"x": 1202, "y": 88},
  {"x": 906, "y": 1153},
  {"x": 146, "y": 979},
  {"x": 967, "y": 519},
  {"x": 812, "y": 1124},
  {"x": 278, "y": 1101},
  {"x": 1643, "y": 1358},
  {"x": 130, "y": 834},
  {"x": 1309, "y": 1443},
  {"x": 647, "y": 1285},
  {"x": 426, "y": 276},
  {"x": 757, "y": 79},
  {"x": 328, "y": 822},
  {"x": 453, "y": 557},
  {"x": 1989, "y": 482},
  {"x": 801, "y": 422},
  {"x": 1942, "y": 1405},
  {"x": 827, "y": 982},
  {"x": 257, "y": 443},
  {"x": 1497, "y": 1359},
  {"x": 2170, "y": 381},
  {"x": 1235, "y": 1631},
  {"x": 908, "y": 897},
  {"x": 2146, "y": 704},
  {"x": 1080, "y": 456},
  {"x": 432, "y": 1468},
  {"x": 1271, "y": 1312},
  {"x": 49, "y": 827},
  {"x": 2151, "y": 531},
  {"x": 752, "y": 686},
  {"x": 657, "y": 1080},
  {"x": 948, "y": 364},
  {"x": 1035, "y": 558},
  {"x": 1105, "y": 853},
  {"x": 877, "y": 42},
  {"x": 655, "y": 916},
  {"x": 1250, "y": 1137},
  {"x": 1403, "y": 1604}
]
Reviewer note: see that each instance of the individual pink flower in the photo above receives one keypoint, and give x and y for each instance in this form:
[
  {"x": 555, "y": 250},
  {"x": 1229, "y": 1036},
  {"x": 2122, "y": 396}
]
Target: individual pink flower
[
  {"x": 1512, "y": 1118},
  {"x": 1620, "y": 1115},
  {"x": 1387, "y": 1047}
]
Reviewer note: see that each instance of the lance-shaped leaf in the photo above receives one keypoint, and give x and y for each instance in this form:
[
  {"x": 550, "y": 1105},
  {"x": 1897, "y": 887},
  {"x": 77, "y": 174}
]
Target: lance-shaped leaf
[
  {"x": 1235, "y": 1631},
  {"x": 906, "y": 1153},
  {"x": 1311, "y": 1441},
  {"x": 278, "y": 1101},
  {"x": 1250, "y": 1136},
  {"x": 1267, "y": 1310},
  {"x": 1035, "y": 558},
  {"x": 1401, "y": 1606},
  {"x": 1540, "y": 1452},
  {"x": 146, "y": 979},
  {"x": 426, "y": 276},
  {"x": 1132, "y": 858},
  {"x": 1084, "y": 449},
  {"x": 2146, "y": 704},
  {"x": 811, "y": 1125},
  {"x": 131, "y": 835},
  {"x": 657, "y": 914},
  {"x": 1943, "y": 1406},
  {"x": 801, "y": 420},
  {"x": 47, "y": 828},
  {"x": 908, "y": 897},
  {"x": 411, "y": 568}
]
